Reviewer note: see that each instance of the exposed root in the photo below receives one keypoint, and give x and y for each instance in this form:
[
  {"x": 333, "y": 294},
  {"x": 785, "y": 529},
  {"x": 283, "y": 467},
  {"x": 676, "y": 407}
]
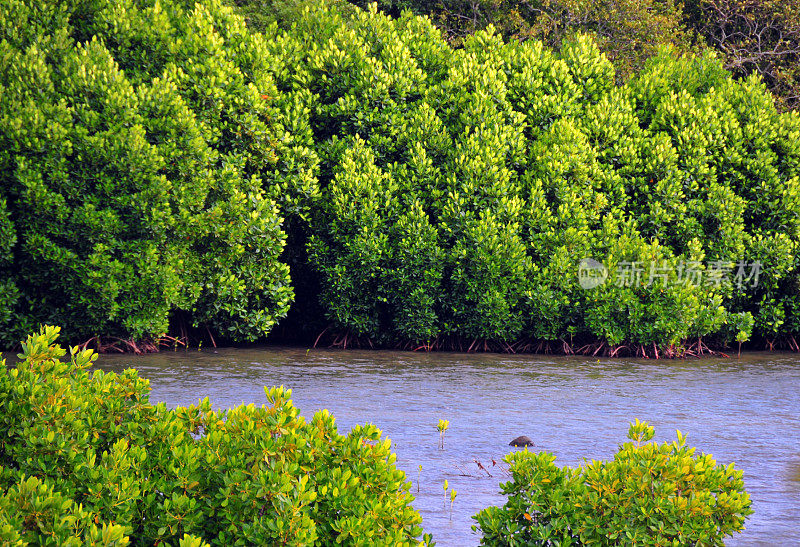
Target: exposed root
[
  {"x": 121, "y": 345},
  {"x": 211, "y": 336},
  {"x": 320, "y": 336},
  {"x": 616, "y": 349},
  {"x": 172, "y": 342},
  {"x": 484, "y": 470},
  {"x": 590, "y": 348}
]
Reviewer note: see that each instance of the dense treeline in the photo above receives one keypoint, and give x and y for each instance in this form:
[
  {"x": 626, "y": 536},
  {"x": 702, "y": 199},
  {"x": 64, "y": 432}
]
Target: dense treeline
[
  {"x": 627, "y": 31},
  {"x": 413, "y": 193},
  {"x": 462, "y": 187}
]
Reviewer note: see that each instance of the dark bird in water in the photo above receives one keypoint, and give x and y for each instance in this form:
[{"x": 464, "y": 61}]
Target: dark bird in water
[{"x": 522, "y": 440}]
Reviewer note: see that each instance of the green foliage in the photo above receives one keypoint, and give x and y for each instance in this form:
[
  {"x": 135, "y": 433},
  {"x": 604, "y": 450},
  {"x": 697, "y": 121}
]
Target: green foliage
[
  {"x": 629, "y": 31},
  {"x": 162, "y": 161},
  {"x": 134, "y": 139},
  {"x": 260, "y": 14},
  {"x": 9, "y": 293},
  {"x": 649, "y": 494},
  {"x": 31, "y": 513},
  {"x": 461, "y": 187},
  {"x": 752, "y": 37},
  {"x": 80, "y": 447}
]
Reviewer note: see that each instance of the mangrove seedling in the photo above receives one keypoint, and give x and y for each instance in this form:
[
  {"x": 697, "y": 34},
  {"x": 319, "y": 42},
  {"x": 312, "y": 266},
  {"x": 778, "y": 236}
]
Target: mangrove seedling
[
  {"x": 442, "y": 427},
  {"x": 419, "y": 474},
  {"x": 453, "y": 495},
  {"x": 445, "y": 492}
]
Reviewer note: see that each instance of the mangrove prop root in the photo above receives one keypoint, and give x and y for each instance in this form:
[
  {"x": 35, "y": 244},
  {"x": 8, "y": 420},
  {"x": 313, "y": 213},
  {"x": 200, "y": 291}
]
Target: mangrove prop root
[
  {"x": 597, "y": 348},
  {"x": 121, "y": 345},
  {"x": 333, "y": 338}
]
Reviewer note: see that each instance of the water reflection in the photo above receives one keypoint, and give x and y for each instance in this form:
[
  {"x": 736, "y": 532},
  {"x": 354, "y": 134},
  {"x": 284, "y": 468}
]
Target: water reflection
[{"x": 742, "y": 410}]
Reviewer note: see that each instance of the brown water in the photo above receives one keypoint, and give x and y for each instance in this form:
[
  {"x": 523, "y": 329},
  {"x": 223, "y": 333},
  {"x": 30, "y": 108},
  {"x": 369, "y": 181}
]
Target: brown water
[{"x": 742, "y": 410}]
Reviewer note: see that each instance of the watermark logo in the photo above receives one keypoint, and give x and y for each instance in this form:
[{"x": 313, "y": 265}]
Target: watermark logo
[{"x": 591, "y": 273}]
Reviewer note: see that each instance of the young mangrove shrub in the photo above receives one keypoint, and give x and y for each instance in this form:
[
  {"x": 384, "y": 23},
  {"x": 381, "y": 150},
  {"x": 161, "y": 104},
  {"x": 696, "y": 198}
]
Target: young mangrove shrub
[
  {"x": 649, "y": 494},
  {"x": 442, "y": 427},
  {"x": 79, "y": 447}
]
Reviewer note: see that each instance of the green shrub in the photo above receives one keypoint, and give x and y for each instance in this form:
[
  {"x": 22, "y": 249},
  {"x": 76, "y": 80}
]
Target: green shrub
[
  {"x": 94, "y": 449},
  {"x": 649, "y": 494},
  {"x": 31, "y": 513}
]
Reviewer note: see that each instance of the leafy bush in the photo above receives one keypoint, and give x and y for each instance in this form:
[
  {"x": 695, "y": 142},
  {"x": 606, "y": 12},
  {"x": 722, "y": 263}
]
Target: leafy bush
[
  {"x": 650, "y": 494},
  {"x": 78, "y": 447},
  {"x": 31, "y": 513}
]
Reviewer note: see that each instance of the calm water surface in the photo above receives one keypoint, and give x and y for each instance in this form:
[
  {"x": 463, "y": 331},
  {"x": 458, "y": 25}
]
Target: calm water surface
[{"x": 742, "y": 410}]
